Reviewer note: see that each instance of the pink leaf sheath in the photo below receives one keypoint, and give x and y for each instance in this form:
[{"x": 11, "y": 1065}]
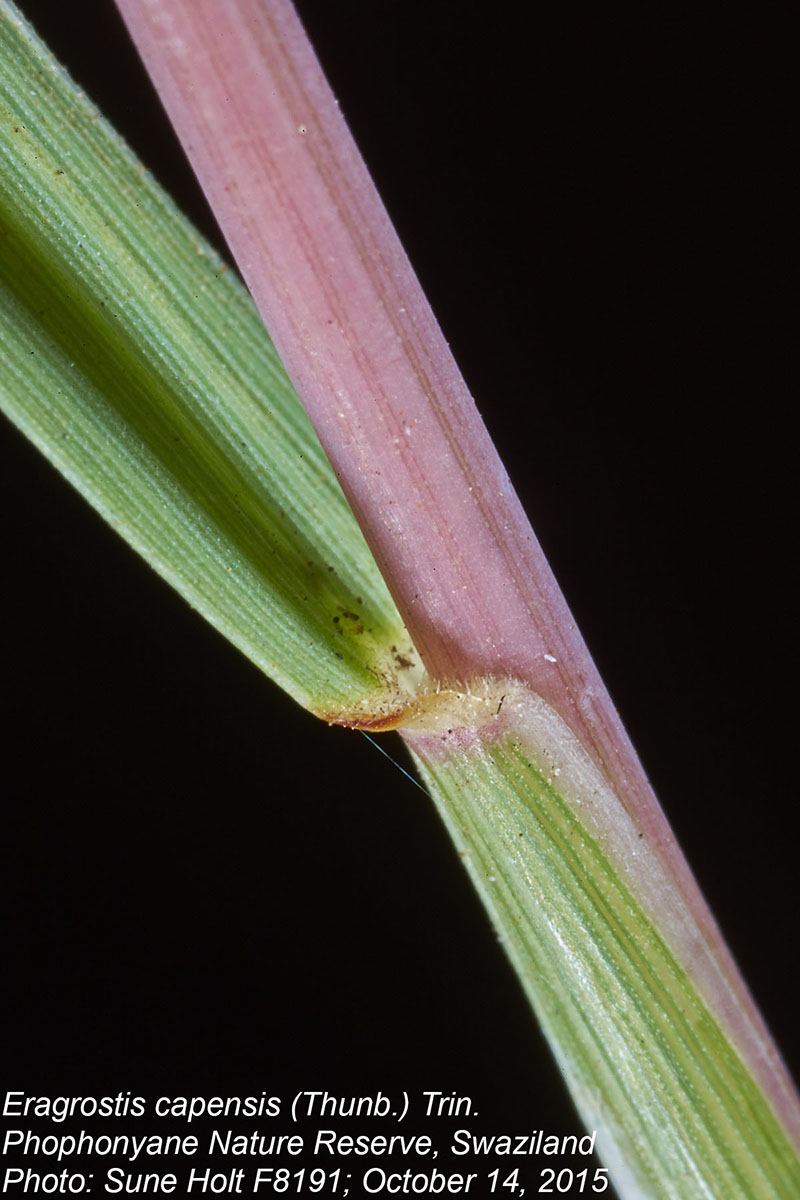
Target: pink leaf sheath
[{"x": 307, "y": 229}]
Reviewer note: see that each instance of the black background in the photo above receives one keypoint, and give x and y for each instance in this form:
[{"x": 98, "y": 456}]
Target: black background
[{"x": 208, "y": 891}]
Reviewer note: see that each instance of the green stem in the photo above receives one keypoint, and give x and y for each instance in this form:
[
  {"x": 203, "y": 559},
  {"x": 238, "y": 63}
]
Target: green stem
[{"x": 678, "y": 1112}]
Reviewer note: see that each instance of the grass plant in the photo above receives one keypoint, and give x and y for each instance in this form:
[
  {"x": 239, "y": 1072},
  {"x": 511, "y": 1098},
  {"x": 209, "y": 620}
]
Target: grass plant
[{"x": 224, "y": 490}]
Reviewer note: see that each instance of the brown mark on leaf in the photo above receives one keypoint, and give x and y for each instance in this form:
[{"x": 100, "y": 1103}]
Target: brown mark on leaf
[{"x": 433, "y": 709}]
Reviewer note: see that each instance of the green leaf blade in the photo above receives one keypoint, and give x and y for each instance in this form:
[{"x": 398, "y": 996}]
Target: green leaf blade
[{"x": 141, "y": 369}]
